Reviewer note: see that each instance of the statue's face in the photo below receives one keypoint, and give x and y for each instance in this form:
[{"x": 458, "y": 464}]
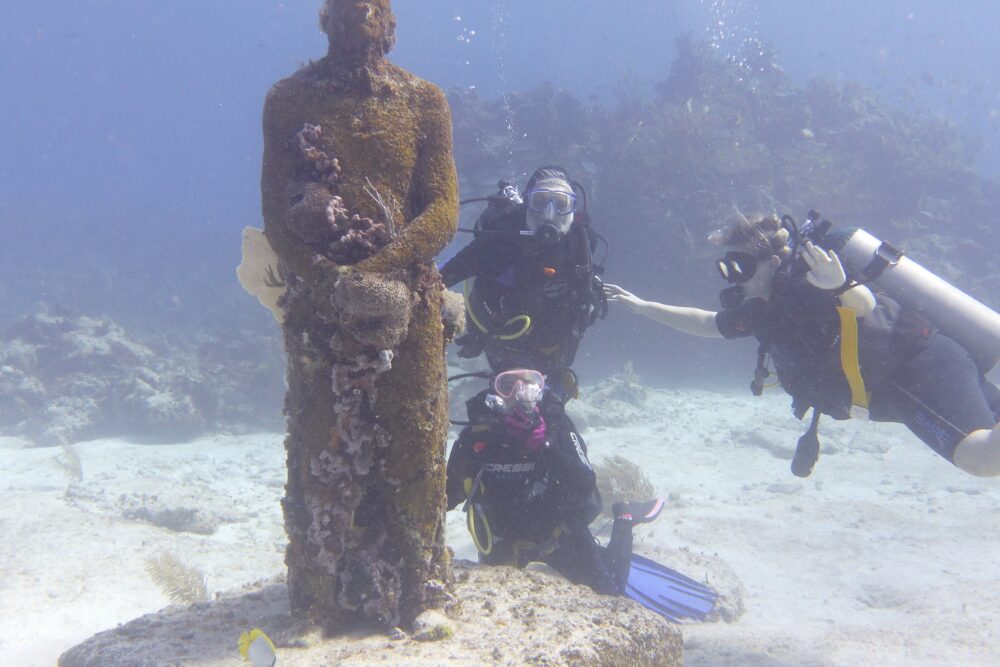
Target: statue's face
[{"x": 359, "y": 28}]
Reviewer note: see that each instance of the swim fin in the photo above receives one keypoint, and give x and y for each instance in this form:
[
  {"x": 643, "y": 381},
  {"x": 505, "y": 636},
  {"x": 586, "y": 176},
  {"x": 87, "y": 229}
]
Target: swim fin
[{"x": 668, "y": 592}]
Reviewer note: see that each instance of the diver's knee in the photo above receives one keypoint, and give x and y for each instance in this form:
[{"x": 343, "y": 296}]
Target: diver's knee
[{"x": 979, "y": 453}]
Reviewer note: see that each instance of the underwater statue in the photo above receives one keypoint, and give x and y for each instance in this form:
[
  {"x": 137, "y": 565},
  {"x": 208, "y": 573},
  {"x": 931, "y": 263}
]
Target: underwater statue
[{"x": 359, "y": 193}]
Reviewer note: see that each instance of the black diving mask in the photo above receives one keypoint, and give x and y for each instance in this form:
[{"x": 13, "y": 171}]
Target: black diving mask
[{"x": 737, "y": 267}]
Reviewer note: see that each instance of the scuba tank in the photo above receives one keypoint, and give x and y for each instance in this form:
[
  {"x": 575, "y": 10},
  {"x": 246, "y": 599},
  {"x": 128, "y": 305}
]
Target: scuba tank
[
  {"x": 868, "y": 260},
  {"x": 975, "y": 326}
]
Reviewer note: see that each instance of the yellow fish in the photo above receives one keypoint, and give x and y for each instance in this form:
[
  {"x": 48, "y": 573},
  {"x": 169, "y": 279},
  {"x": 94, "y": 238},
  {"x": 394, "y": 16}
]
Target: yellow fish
[{"x": 257, "y": 649}]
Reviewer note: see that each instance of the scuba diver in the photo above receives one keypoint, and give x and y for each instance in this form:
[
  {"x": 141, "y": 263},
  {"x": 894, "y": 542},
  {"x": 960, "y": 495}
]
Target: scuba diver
[
  {"x": 530, "y": 494},
  {"x": 532, "y": 287},
  {"x": 846, "y": 350}
]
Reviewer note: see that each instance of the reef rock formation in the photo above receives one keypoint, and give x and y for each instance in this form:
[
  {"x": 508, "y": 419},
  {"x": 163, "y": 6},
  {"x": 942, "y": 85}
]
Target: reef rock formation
[
  {"x": 506, "y": 617},
  {"x": 66, "y": 378},
  {"x": 359, "y": 193}
]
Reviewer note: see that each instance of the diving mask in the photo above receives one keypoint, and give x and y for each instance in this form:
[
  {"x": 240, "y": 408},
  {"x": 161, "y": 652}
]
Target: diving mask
[
  {"x": 541, "y": 199},
  {"x": 737, "y": 267},
  {"x": 523, "y": 386}
]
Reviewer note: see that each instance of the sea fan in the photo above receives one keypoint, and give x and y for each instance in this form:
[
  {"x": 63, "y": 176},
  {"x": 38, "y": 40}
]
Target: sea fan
[
  {"x": 629, "y": 376},
  {"x": 70, "y": 462},
  {"x": 181, "y": 584},
  {"x": 618, "y": 479}
]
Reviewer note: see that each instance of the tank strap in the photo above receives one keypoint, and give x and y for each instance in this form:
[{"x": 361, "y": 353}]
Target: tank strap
[
  {"x": 886, "y": 255},
  {"x": 850, "y": 362}
]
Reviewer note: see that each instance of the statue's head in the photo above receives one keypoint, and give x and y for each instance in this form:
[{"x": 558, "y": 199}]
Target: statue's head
[{"x": 358, "y": 30}]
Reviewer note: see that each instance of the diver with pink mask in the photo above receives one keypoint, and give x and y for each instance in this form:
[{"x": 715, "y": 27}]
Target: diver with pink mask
[{"x": 530, "y": 494}]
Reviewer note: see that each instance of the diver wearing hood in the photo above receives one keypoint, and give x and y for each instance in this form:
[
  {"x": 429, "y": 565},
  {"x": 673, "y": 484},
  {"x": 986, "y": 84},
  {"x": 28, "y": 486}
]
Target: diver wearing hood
[
  {"x": 532, "y": 287},
  {"x": 837, "y": 348}
]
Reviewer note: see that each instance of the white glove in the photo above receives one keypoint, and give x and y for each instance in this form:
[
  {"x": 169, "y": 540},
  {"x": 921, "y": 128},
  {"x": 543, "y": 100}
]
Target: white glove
[{"x": 825, "y": 270}]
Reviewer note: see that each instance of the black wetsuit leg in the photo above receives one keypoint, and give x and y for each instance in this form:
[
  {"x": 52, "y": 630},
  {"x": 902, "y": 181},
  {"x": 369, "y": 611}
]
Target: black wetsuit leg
[
  {"x": 619, "y": 552},
  {"x": 939, "y": 395},
  {"x": 580, "y": 559},
  {"x": 992, "y": 394}
]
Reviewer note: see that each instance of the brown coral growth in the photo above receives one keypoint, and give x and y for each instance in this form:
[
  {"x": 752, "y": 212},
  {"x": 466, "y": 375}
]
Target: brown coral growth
[{"x": 358, "y": 171}]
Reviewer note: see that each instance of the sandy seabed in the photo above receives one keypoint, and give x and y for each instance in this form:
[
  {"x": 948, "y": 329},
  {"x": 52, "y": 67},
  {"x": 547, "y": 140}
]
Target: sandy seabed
[{"x": 887, "y": 555}]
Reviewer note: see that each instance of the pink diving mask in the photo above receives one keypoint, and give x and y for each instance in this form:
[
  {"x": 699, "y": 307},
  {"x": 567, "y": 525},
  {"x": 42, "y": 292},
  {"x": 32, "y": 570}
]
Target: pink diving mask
[{"x": 522, "y": 386}]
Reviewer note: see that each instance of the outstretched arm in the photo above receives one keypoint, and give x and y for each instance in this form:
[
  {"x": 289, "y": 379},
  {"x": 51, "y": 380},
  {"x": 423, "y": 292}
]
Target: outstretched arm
[{"x": 694, "y": 321}]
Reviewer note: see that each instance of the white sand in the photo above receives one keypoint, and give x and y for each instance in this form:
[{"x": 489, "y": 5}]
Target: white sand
[{"x": 885, "y": 556}]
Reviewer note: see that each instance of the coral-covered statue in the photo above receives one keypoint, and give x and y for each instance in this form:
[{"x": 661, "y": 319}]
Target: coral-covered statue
[{"x": 359, "y": 193}]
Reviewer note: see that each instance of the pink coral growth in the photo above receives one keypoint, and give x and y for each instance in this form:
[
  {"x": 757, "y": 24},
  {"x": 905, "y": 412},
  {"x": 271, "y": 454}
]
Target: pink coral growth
[
  {"x": 327, "y": 169},
  {"x": 337, "y": 214},
  {"x": 337, "y": 234},
  {"x": 362, "y": 240}
]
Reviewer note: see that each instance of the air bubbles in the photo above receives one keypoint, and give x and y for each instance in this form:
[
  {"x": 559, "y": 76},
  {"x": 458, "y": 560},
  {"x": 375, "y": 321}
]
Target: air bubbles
[
  {"x": 732, "y": 30},
  {"x": 466, "y": 35}
]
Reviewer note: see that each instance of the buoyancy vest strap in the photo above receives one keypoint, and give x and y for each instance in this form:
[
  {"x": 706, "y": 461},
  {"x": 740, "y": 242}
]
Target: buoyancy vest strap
[
  {"x": 525, "y": 325},
  {"x": 850, "y": 361},
  {"x": 479, "y": 529},
  {"x": 524, "y": 319},
  {"x": 466, "y": 293}
]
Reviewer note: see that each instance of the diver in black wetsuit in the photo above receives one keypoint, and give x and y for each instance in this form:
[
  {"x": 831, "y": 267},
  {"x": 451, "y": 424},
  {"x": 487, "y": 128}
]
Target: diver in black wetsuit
[
  {"x": 532, "y": 287},
  {"x": 529, "y": 491},
  {"x": 840, "y": 348}
]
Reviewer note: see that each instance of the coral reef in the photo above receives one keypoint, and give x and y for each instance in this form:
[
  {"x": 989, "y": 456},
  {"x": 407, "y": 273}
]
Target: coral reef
[
  {"x": 66, "y": 378},
  {"x": 358, "y": 194},
  {"x": 663, "y": 169}
]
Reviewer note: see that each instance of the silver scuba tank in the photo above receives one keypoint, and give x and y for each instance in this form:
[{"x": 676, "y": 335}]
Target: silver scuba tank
[{"x": 975, "y": 326}]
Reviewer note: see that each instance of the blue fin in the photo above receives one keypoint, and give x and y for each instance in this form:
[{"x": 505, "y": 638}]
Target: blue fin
[{"x": 667, "y": 592}]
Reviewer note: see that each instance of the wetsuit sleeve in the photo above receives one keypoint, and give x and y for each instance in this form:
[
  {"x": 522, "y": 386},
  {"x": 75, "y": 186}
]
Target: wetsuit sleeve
[
  {"x": 743, "y": 320},
  {"x": 468, "y": 262},
  {"x": 461, "y": 466}
]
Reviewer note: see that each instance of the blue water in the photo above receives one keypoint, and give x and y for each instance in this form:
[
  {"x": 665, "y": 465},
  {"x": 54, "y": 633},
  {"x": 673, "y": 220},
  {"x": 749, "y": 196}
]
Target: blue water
[{"x": 130, "y": 128}]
